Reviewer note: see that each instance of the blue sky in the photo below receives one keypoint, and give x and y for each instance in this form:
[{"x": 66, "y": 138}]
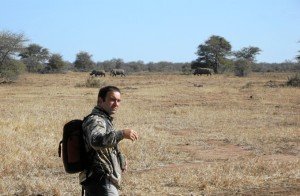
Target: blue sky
[{"x": 155, "y": 30}]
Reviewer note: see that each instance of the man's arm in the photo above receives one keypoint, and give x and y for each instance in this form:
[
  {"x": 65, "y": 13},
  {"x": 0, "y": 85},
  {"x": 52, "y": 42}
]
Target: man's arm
[{"x": 98, "y": 136}]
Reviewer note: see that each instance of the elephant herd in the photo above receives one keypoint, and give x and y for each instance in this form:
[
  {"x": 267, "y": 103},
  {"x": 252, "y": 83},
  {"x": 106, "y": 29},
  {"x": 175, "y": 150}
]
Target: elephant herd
[
  {"x": 121, "y": 72},
  {"x": 113, "y": 73}
]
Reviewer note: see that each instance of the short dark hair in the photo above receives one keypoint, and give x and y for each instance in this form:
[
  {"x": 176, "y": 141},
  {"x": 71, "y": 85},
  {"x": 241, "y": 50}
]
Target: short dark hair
[{"x": 103, "y": 91}]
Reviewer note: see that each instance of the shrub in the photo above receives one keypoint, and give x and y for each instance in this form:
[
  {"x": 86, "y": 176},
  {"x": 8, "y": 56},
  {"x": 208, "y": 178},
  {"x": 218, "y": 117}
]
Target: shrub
[
  {"x": 294, "y": 81},
  {"x": 242, "y": 67},
  {"x": 93, "y": 82},
  {"x": 10, "y": 70}
]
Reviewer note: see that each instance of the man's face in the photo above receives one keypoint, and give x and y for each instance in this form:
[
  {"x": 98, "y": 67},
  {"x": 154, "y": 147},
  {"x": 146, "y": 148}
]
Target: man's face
[{"x": 111, "y": 103}]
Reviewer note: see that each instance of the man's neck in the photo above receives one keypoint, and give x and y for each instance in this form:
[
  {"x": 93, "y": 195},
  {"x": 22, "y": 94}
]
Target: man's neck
[{"x": 102, "y": 110}]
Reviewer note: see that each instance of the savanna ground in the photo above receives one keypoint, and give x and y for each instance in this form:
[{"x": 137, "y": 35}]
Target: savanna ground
[{"x": 218, "y": 135}]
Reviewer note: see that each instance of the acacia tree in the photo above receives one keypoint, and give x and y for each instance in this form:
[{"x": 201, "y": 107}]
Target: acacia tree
[
  {"x": 34, "y": 57},
  {"x": 212, "y": 53},
  {"x": 244, "y": 60},
  {"x": 83, "y": 61},
  {"x": 11, "y": 44},
  {"x": 248, "y": 53}
]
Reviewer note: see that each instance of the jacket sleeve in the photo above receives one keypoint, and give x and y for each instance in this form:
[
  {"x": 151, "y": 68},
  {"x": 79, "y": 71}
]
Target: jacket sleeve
[{"x": 101, "y": 133}]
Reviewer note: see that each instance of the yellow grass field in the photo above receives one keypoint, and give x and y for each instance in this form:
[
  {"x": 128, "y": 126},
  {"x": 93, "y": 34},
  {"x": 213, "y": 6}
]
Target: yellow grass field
[{"x": 199, "y": 135}]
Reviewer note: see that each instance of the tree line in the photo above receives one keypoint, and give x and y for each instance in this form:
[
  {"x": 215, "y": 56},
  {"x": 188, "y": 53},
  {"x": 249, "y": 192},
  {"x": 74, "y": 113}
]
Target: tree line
[{"x": 16, "y": 58}]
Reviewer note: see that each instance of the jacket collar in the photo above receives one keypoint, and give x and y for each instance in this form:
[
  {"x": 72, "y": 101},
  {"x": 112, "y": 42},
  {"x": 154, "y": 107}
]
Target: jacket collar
[{"x": 99, "y": 110}]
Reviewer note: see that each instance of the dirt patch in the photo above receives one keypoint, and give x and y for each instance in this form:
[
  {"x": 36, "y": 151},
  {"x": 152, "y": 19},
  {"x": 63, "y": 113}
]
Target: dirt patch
[
  {"x": 220, "y": 150},
  {"x": 215, "y": 150}
]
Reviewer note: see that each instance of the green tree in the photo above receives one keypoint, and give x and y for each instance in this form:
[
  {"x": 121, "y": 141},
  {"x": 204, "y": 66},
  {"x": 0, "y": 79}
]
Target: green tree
[
  {"x": 247, "y": 53},
  {"x": 212, "y": 53},
  {"x": 11, "y": 44},
  {"x": 34, "y": 57},
  {"x": 56, "y": 63},
  {"x": 83, "y": 62},
  {"x": 245, "y": 59}
]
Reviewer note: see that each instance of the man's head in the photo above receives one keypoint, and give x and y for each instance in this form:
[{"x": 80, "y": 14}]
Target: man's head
[{"x": 109, "y": 99}]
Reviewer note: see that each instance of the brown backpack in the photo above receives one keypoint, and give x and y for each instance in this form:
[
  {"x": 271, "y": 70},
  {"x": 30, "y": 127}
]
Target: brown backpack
[{"x": 72, "y": 148}]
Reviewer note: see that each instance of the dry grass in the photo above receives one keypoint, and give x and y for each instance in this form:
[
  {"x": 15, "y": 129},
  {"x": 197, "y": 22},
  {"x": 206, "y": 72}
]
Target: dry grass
[{"x": 219, "y": 135}]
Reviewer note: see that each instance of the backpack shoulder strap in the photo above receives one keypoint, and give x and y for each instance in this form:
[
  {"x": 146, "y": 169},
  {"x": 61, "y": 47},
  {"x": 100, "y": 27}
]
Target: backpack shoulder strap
[
  {"x": 86, "y": 117},
  {"x": 91, "y": 152}
]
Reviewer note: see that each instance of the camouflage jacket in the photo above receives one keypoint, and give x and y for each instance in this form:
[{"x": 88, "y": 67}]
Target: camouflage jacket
[{"x": 101, "y": 136}]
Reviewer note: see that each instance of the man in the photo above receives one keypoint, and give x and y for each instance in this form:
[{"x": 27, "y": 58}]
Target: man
[{"x": 103, "y": 176}]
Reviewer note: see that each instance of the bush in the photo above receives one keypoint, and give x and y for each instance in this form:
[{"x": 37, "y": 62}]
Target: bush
[
  {"x": 93, "y": 82},
  {"x": 10, "y": 70},
  {"x": 242, "y": 67},
  {"x": 294, "y": 81}
]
